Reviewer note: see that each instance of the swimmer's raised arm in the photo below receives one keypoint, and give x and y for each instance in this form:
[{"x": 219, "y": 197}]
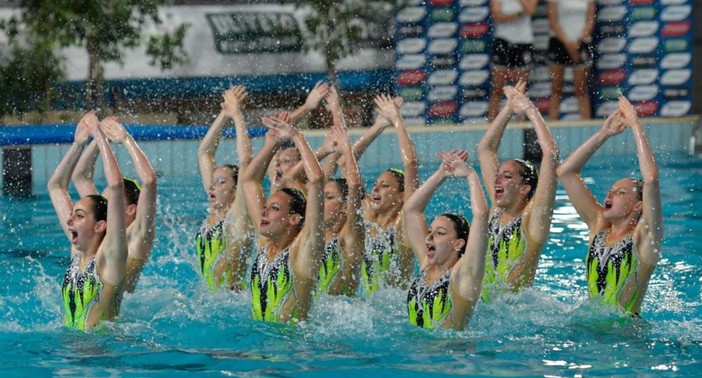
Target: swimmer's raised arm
[
  {"x": 82, "y": 176},
  {"x": 232, "y": 107},
  {"x": 650, "y": 229},
  {"x": 389, "y": 109},
  {"x": 144, "y": 226},
  {"x": 541, "y": 204},
  {"x": 472, "y": 264},
  {"x": 58, "y": 183},
  {"x": 309, "y": 245},
  {"x": 354, "y": 234},
  {"x": 207, "y": 149},
  {"x": 381, "y": 123},
  {"x": 416, "y": 225},
  {"x": 490, "y": 142},
  {"x": 316, "y": 95},
  {"x": 569, "y": 171},
  {"x": 252, "y": 177},
  {"x": 112, "y": 259}
]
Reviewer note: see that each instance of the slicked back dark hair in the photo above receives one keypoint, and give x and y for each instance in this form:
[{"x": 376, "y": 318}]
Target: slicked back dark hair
[
  {"x": 462, "y": 228},
  {"x": 235, "y": 172},
  {"x": 343, "y": 188},
  {"x": 298, "y": 202},
  {"x": 132, "y": 190},
  {"x": 399, "y": 175},
  {"x": 99, "y": 206},
  {"x": 530, "y": 176}
]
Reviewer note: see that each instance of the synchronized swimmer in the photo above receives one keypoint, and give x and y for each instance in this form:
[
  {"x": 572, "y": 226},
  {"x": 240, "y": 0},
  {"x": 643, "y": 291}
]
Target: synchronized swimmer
[{"x": 318, "y": 234}]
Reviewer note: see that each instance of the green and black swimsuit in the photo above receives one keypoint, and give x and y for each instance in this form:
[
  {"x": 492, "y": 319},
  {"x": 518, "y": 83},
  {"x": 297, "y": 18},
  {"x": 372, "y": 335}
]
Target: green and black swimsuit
[
  {"x": 211, "y": 243},
  {"x": 331, "y": 266},
  {"x": 610, "y": 268},
  {"x": 506, "y": 244},
  {"x": 380, "y": 263},
  {"x": 428, "y": 306},
  {"x": 81, "y": 290},
  {"x": 272, "y": 283}
]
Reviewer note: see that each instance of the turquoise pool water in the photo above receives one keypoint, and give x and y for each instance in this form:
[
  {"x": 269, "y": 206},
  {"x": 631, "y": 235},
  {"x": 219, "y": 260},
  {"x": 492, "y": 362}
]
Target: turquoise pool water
[{"x": 173, "y": 326}]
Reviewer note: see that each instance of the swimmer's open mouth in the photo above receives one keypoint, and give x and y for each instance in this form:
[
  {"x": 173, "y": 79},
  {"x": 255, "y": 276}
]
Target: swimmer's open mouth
[
  {"x": 74, "y": 236},
  {"x": 608, "y": 205},
  {"x": 499, "y": 190}
]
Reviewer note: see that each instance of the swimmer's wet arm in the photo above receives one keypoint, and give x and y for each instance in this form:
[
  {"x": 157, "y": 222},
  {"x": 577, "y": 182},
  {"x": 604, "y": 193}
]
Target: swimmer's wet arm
[
  {"x": 253, "y": 175},
  {"x": 390, "y": 110},
  {"x": 208, "y": 148},
  {"x": 311, "y": 249},
  {"x": 60, "y": 179},
  {"x": 381, "y": 123},
  {"x": 316, "y": 95},
  {"x": 545, "y": 193},
  {"x": 651, "y": 223},
  {"x": 143, "y": 228},
  {"x": 415, "y": 222},
  {"x": 114, "y": 247},
  {"x": 490, "y": 143},
  {"x": 569, "y": 171},
  {"x": 82, "y": 176},
  {"x": 472, "y": 263}
]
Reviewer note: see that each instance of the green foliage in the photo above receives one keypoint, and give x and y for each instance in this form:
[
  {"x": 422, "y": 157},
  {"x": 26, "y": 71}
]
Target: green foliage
[
  {"x": 338, "y": 27},
  {"x": 27, "y": 78},
  {"x": 106, "y": 29}
]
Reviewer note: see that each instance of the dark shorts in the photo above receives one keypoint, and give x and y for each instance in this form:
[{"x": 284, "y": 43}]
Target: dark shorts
[
  {"x": 512, "y": 55},
  {"x": 558, "y": 55}
]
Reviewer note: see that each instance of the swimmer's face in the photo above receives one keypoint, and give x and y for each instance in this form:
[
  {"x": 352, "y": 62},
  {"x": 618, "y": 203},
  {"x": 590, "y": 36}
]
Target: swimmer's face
[
  {"x": 334, "y": 205},
  {"x": 223, "y": 188},
  {"x": 275, "y": 216},
  {"x": 442, "y": 243},
  {"x": 82, "y": 224},
  {"x": 622, "y": 199},
  {"x": 386, "y": 194},
  {"x": 509, "y": 185},
  {"x": 284, "y": 161}
]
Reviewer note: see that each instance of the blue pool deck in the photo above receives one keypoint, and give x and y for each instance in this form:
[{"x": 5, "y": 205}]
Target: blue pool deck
[{"x": 172, "y": 150}]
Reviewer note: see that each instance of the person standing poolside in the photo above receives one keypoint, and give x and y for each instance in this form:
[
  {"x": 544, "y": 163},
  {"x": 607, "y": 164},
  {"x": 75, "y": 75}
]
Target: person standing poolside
[
  {"x": 140, "y": 200},
  {"x": 522, "y": 199},
  {"x": 291, "y": 244},
  {"x": 572, "y": 23},
  {"x": 225, "y": 240},
  {"x": 513, "y": 46},
  {"x": 451, "y": 255},
  {"x": 626, "y": 231},
  {"x": 388, "y": 259},
  {"x": 92, "y": 286}
]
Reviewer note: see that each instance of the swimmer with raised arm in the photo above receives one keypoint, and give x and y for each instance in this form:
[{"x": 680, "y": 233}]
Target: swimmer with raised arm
[
  {"x": 522, "y": 199},
  {"x": 451, "y": 259},
  {"x": 287, "y": 168},
  {"x": 291, "y": 244},
  {"x": 627, "y": 229},
  {"x": 388, "y": 260},
  {"x": 92, "y": 285},
  {"x": 344, "y": 230},
  {"x": 225, "y": 240},
  {"x": 140, "y": 204}
]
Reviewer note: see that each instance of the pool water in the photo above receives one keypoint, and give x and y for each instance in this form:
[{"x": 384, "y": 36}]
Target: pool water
[{"x": 172, "y": 325}]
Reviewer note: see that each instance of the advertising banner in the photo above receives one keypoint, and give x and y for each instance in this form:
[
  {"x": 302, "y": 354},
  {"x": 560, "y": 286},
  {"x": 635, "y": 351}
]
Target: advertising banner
[{"x": 643, "y": 49}]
